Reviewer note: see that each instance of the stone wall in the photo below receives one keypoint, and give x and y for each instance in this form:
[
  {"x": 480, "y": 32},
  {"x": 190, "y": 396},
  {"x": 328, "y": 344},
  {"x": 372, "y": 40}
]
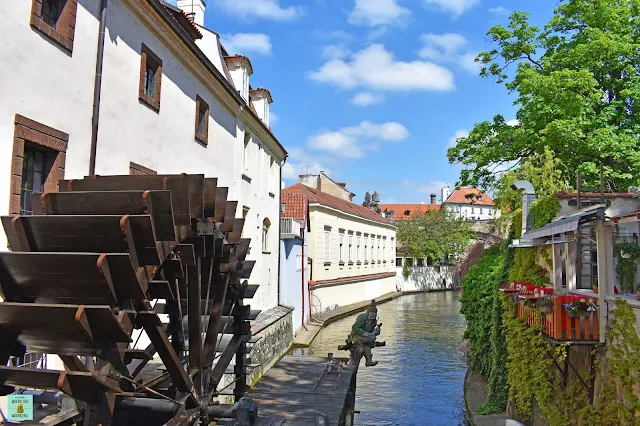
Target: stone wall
[{"x": 275, "y": 328}]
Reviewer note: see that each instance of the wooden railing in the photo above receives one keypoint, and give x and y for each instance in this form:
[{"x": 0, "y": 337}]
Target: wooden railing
[{"x": 558, "y": 325}]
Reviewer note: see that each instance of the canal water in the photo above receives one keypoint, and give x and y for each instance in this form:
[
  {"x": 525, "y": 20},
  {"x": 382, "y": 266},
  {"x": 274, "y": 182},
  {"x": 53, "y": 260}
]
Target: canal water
[{"x": 419, "y": 380}]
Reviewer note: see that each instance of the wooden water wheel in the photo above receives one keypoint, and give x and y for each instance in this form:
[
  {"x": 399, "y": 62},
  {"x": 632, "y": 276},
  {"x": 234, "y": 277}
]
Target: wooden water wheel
[{"x": 84, "y": 276}]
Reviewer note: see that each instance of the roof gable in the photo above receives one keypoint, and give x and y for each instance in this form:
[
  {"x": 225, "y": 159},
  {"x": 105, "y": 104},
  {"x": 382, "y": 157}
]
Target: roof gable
[{"x": 315, "y": 196}]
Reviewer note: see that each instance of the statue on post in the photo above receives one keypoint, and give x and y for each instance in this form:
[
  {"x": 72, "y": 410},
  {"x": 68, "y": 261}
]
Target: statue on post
[{"x": 362, "y": 338}]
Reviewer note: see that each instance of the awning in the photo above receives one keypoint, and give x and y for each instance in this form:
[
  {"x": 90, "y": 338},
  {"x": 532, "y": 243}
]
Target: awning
[{"x": 567, "y": 224}]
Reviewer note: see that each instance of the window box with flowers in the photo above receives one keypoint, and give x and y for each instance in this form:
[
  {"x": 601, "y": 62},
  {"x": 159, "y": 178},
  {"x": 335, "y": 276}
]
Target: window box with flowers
[{"x": 580, "y": 307}]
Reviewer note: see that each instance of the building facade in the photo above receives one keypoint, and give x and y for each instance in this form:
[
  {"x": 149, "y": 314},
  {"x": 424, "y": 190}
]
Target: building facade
[
  {"x": 351, "y": 248},
  {"x": 469, "y": 204},
  {"x": 166, "y": 100},
  {"x": 294, "y": 270}
]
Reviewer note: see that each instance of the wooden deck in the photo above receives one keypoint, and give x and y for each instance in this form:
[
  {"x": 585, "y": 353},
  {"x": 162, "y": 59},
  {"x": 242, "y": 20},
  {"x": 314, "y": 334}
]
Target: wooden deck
[{"x": 286, "y": 392}]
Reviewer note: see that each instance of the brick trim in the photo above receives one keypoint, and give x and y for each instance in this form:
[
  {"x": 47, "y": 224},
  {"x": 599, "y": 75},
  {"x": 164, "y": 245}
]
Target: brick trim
[
  {"x": 30, "y": 132},
  {"x": 202, "y": 105},
  {"x": 64, "y": 31},
  {"x": 147, "y": 56},
  {"x": 137, "y": 169}
]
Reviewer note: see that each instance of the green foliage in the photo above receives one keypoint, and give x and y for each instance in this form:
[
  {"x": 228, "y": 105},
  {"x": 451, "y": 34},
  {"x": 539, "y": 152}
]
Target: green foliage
[
  {"x": 406, "y": 271},
  {"x": 526, "y": 268},
  {"x": 626, "y": 267},
  {"x": 544, "y": 209},
  {"x": 617, "y": 402},
  {"x": 435, "y": 234},
  {"x": 577, "y": 88}
]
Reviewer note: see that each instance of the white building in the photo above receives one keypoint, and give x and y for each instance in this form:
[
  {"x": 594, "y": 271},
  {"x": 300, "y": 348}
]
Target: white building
[
  {"x": 469, "y": 203},
  {"x": 170, "y": 101},
  {"x": 351, "y": 248}
]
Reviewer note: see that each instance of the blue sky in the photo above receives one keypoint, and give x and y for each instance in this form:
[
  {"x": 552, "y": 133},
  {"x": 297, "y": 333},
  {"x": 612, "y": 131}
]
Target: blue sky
[{"x": 371, "y": 91}]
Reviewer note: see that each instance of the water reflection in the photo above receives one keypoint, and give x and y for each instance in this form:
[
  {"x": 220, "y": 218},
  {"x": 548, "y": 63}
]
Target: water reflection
[{"x": 419, "y": 380}]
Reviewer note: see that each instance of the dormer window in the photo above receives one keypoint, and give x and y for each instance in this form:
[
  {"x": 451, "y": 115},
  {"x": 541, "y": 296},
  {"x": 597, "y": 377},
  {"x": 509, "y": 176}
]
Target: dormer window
[{"x": 407, "y": 212}]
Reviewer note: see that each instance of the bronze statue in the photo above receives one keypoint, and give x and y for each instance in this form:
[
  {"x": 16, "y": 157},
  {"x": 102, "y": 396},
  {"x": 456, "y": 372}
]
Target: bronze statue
[{"x": 363, "y": 336}]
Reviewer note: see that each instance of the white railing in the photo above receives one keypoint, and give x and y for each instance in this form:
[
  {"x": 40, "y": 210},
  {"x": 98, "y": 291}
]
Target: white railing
[{"x": 289, "y": 226}]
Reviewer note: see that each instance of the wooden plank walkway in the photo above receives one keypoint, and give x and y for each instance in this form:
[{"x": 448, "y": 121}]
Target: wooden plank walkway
[{"x": 286, "y": 391}]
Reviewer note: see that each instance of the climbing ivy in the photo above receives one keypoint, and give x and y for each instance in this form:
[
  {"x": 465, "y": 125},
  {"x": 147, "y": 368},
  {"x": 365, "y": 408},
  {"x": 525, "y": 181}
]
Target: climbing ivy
[
  {"x": 626, "y": 267},
  {"x": 544, "y": 210}
]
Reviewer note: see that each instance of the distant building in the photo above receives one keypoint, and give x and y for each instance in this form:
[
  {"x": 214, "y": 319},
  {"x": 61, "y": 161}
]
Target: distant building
[
  {"x": 294, "y": 255},
  {"x": 469, "y": 203},
  {"x": 351, "y": 247},
  {"x": 408, "y": 211}
]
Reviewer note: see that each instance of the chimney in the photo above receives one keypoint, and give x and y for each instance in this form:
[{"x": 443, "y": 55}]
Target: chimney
[
  {"x": 194, "y": 9},
  {"x": 433, "y": 198},
  {"x": 528, "y": 197},
  {"x": 262, "y": 100}
]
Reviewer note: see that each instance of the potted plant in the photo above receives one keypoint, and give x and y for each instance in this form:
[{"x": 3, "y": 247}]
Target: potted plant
[
  {"x": 545, "y": 305},
  {"x": 580, "y": 307}
]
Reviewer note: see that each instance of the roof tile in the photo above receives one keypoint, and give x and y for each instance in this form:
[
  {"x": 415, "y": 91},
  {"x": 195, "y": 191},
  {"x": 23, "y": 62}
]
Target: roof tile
[
  {"x": 315, "y": 196},
  {"x": 479, "y": 198}
]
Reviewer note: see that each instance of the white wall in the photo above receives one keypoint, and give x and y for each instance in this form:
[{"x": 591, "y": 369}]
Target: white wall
[
  {"x": 42, "y": 82},
  {"x": 293, "y": 292},
  {"x": 347, "y": 294},
  {"x": 426, "y": 278},
  {"x": 472, "y": 212},
  {"x": 323, "y": 217}
]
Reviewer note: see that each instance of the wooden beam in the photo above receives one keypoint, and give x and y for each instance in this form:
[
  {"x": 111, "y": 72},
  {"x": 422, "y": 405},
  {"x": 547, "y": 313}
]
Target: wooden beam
[
  {"x": 213, "y": 327},
  {"x": 195, "y": 331},
  {"x": 225, "y": 359},
  {"x": 155, "y": 330}
]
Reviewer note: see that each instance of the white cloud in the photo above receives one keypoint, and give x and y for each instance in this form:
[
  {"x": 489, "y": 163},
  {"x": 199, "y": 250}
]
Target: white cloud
[
  {"x": 300, "y": 163},
  {"x": 455, "y": 7},
  {"x": 246, "y": 42},
  {"x": 335, "y": 51},
  {"x": 434, "y": 187},
  {"x": 500, "y": 10},
  {"x": 375, "y": 67},
  {"x": 273, "y": 118},
  {"x": 366, "y": 99},
  {"x": 266, "y": 9},
  {"x": 462, "y": 133},
  {"x": 371, "y": 13},
  {"x": 514, "y": 122},
  {"x": 448, "y": 48},
  {"x": 351, "y": 142}
]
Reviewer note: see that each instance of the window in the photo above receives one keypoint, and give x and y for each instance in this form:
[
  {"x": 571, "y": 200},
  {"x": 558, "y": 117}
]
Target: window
[
  {"x": 246, "y": 154},
  {"x": 358, "y": 249},
  {"x": 350, "y": 248},
  {"x": 327, "y": 246},
  {"x": 266, "y": 224},
  {"x": 407, "y": 212},
  {"x": 342, "y": 247},
  {"x": 299, "y": 263},
  {"x": 33, "y": 177},
  {"x": 473, "y": 210},
  {"x": 480, "y": 210},
  {"x": 384, "y": 249},
  {"x": 378, "y": 251},
  {"x": 37, "y": 164},
  {"x": 202, "y": 120},
  {"x": 366, "y": 240},
  {"x": 150, "y": 78},
  {"x": 273, "y": 177},
  {"x": 373, "y": 249},
  {"x": 399, "y": 262},
  {"x": 409, "y": 261},
  {"x": 56, "y": 20},
  {"x": 420, "y": 262}
]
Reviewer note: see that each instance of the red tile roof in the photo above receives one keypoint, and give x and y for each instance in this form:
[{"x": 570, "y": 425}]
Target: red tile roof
[
  {"x": 479, "y": 198},
  {"x": 413, "y": 209},
  {"x": 295, "y": 206},
  {"x": 315, "y": 196}
]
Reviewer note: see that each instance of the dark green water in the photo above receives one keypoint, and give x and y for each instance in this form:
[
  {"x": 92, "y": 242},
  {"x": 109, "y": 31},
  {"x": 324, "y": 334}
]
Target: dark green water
[{"x": 419, "y": 380}]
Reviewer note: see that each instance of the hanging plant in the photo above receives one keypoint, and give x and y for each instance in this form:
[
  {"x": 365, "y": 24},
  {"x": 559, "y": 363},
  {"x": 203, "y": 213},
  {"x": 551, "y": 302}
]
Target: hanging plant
[{"x": 628, "y": 255}]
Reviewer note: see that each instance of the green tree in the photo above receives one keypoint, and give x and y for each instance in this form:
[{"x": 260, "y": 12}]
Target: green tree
[
  {"x": 577, "y": 87},
  {"x": 435, "y": 234}
]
